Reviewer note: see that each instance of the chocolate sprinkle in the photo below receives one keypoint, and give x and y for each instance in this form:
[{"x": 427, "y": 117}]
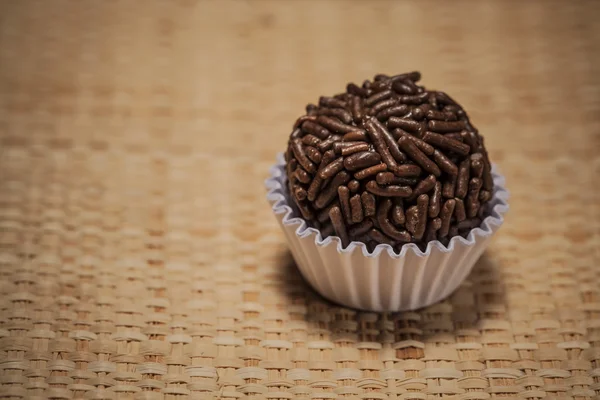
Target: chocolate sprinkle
[{"x": 389, "y": 162}]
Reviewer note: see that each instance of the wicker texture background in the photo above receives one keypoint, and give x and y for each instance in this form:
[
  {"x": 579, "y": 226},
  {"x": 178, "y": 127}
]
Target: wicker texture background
[{"x": 138, "y": 255}]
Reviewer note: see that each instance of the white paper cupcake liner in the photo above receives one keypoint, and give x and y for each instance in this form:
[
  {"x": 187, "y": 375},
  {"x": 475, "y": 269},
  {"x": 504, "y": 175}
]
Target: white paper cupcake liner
[{"x": 381, "y": 280}]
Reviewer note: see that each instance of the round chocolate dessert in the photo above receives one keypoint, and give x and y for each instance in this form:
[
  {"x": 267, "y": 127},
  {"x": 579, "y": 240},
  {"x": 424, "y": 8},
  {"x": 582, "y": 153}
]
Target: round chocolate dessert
[{"x": 389, "y": 162}]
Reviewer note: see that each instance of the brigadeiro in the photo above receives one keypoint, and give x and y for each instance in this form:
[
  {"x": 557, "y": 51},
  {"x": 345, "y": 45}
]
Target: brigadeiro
[{"x": 389, "y": 163}]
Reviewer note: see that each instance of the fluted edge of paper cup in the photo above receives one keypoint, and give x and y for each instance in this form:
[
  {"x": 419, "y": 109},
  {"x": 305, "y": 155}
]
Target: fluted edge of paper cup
[{"x": 381, "y": 280}]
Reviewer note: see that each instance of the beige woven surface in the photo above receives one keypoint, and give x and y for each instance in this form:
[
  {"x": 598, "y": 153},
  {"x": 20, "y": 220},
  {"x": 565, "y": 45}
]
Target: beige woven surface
[{"x": 138, "y": 256}]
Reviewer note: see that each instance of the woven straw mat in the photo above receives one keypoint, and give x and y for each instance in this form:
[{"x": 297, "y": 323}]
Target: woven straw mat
[{"x": 138, "y": 254}]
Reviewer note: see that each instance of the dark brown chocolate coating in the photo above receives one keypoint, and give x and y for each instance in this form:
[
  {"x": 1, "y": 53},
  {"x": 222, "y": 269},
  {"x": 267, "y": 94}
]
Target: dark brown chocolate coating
[{"x": 389, "y": 162}]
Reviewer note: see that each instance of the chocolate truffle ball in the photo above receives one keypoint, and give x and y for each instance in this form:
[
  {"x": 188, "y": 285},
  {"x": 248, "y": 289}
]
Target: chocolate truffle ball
[{"x": 389, "y": 162}]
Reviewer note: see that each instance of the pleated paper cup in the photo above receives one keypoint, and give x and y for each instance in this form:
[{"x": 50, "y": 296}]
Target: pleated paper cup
[{"x": 382, "y": 280}]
